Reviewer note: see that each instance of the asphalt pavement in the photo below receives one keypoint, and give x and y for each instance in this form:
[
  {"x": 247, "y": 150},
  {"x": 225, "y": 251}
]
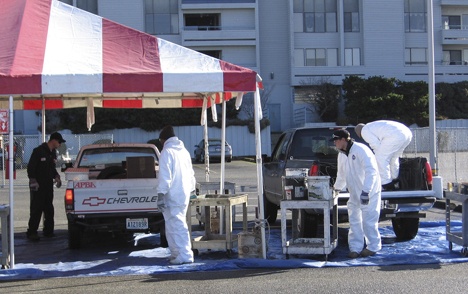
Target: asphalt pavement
[{"x": 431, "y": 278}]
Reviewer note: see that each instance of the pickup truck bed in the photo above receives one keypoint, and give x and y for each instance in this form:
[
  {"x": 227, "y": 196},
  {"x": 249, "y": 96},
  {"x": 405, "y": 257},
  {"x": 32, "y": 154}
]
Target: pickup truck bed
[{"x": 112, "y": 188}]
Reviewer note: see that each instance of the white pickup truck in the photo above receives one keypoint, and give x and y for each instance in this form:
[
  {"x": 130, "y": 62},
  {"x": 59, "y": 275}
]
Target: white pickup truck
[{"x": 112, "y": 188}]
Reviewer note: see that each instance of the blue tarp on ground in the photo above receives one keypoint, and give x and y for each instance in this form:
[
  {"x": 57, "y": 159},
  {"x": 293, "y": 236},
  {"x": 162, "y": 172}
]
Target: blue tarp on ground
[{"x": 51, "y": 258}]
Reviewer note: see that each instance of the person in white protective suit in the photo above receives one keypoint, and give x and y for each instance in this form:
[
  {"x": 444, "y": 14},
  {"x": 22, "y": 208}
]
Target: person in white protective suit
[
  {"x": 357, "y": 171},
  {"x": 388, "y": 139},
  {"x": 176, "y": 182}
]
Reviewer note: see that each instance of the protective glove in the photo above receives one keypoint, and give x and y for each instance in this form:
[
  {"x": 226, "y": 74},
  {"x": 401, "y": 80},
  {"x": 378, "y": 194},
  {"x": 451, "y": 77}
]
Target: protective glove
[
  {"x": 336, "y": 193},
  {"x": 33, "y": 184},
  {"x": 160, "y": 203},
  {"x": 58, "y": 182},
  {"x": 364, "y": 198}
]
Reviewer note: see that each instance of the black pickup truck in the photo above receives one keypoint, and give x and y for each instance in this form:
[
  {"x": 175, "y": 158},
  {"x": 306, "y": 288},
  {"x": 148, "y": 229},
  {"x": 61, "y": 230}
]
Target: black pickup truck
[{"x": 310, "y": 148}]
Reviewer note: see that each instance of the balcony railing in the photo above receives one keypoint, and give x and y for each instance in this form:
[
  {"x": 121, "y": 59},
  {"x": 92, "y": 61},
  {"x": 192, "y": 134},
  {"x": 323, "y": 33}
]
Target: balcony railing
[
  {"x": 455, "y": 36},
  {"x": 205, "y": 34}
]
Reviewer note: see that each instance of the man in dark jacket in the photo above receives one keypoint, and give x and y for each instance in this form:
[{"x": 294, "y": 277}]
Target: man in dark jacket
[{"x": 42, "y": 174}]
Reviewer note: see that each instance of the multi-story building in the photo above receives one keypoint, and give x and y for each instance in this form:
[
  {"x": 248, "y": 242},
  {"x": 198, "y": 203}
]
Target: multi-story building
[{"x": 292, "y": 43}]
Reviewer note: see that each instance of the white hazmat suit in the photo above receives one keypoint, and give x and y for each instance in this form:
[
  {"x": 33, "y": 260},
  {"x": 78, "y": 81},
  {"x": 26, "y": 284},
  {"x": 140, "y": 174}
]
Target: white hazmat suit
[
  {"x": 176, "y": 181},
  {"x": 358, "y": 172},
  {"x": 388, "y": 139}
]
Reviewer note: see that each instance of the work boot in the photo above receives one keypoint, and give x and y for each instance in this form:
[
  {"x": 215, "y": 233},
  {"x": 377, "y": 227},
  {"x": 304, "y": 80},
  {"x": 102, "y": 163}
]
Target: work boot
[
  {"x": 366, "y": 252},
  {"x": 33, "y": 236},
  {"x": 353, "y": 254},
  {"x": 178, "y": 260}
]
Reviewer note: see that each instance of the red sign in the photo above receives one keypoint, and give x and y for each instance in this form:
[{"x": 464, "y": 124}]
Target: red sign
[{"x": 4, "y": 119}]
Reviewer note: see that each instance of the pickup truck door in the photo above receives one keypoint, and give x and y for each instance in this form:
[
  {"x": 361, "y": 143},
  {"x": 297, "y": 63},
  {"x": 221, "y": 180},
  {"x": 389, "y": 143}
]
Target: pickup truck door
[{"x": 273, "y": 170}]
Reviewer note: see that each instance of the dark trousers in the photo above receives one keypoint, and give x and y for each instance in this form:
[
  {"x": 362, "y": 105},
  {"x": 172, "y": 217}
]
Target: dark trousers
[{"x": 41, "y": 202}]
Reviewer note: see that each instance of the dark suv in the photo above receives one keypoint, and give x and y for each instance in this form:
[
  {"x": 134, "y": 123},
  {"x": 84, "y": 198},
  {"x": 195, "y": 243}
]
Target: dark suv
[{"x": 311, "y": 148}]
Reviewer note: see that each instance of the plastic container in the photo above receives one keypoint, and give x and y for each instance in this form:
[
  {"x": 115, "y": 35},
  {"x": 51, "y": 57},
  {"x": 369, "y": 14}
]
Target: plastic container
[{"x": 318, "y": 188}]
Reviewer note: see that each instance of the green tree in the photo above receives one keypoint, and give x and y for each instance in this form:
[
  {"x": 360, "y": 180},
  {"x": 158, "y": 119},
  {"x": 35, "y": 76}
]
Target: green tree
[
  {"x": 385, "y": 98},
  {"x": 322, "y": 96},
  {"x": 452, "y": 100}
]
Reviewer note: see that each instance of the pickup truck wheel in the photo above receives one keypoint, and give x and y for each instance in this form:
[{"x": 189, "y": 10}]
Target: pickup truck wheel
[
  {"x": 74, "y": 236},
  {"x": 270, "y": 211},
  {"x": 405, "y": 228}
]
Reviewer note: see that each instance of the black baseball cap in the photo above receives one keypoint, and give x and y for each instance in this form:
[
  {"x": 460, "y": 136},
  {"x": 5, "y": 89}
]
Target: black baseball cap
[
  {"x": 340, "y": 134},
  {"x": 58, "y": 137}
]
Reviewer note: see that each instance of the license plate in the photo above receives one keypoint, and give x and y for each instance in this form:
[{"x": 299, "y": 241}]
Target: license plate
[{"x": 137, "y": 223}]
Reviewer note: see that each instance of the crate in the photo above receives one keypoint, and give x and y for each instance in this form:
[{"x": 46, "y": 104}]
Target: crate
[
  {"x": 318, "y": 188},
  {"x": 294, "y": 188}
]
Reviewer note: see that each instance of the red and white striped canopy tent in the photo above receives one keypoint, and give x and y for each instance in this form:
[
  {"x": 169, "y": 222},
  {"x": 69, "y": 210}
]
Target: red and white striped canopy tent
[
  {"x": 55, "y": 56},
  {"x": 55, "y": 51}
]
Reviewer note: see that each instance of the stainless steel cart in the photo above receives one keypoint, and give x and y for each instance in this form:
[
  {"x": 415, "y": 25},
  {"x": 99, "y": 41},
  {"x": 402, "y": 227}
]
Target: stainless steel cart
[
  {"x": 459, "y": 238},
  {"x": 296, "y": 245},
  {"x": 215, "y": 240}
]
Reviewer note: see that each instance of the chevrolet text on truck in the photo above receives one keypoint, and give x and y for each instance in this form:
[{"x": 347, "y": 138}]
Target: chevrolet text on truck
[
  {"x": 309, "y": 148},
  {"x": 112, "y": 188}
]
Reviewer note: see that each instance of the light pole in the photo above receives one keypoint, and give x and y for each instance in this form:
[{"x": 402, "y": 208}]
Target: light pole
[{"x": 431, "y": 84}]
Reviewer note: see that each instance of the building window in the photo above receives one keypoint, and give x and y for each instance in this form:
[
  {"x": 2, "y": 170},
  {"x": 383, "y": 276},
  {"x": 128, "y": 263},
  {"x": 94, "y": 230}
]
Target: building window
[
  {"x": 87, "y": 5},
  {"x": 415, "y": 56},
  {"x": 318, "y": 16},
  {"x": 452, "y": 57},
  {"x": 202, "y": 22},
  {"x": 415, "y": 16},
  {"x": 451, "y": 22},
  {"x": 316, "y": 57},
  {"x": 213, "y": 53},
  {"x": 351, "y": 15},
  {"x": 352, "y": 57},
  {"x": 161, "y": 17}
]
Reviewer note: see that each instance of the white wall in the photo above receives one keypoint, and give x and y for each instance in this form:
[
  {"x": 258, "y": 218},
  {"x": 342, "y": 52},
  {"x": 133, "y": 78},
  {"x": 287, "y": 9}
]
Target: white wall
[{"x": 241, "y": 140}]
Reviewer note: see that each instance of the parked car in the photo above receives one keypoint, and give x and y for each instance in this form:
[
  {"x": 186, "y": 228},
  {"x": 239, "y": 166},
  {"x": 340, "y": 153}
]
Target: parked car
[
  {"x": 18, "y": 153},
  {"x": 214, "y": 150}
]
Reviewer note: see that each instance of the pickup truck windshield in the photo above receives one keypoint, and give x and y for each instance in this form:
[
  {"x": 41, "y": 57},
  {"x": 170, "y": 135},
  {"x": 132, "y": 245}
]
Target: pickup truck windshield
[{"x": 95, "y": 158}]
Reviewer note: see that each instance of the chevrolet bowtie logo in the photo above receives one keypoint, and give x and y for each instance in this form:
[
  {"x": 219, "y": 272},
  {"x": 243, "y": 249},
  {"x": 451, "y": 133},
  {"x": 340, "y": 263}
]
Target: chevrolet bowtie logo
[{"x": 94, "y": 201}]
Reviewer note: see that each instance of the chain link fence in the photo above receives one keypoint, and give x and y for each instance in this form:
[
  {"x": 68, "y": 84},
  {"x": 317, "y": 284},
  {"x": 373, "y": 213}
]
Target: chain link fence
[
  {"x": 24, "y": 145},
  {"x": 452, "y": 152}
]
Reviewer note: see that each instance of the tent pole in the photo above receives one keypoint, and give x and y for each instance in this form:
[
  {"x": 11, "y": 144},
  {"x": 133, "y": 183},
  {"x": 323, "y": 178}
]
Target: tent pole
[
  {"x": 258, "y": 145},
  {"x": 11, "y": 162},
  {"x": 223, "y": 159},
  {"x": 43, "y": 119},
  {"x": 205, "y": 138}
]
